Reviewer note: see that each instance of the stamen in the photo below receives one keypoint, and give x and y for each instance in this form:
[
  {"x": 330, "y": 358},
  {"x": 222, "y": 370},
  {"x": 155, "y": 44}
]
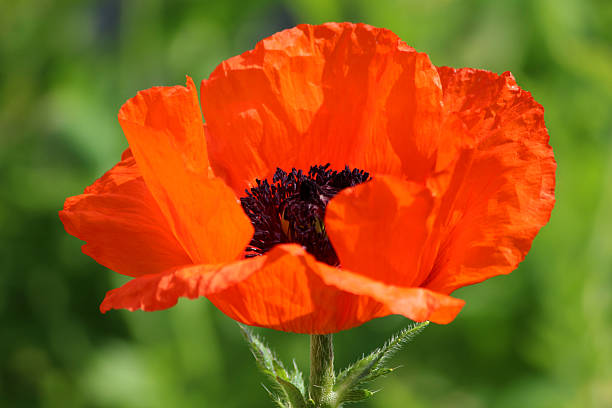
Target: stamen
[{"x": 292, "y": 209}]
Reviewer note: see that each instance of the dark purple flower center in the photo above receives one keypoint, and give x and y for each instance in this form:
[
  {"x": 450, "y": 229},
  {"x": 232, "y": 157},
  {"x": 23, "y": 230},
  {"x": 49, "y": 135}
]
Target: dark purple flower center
[{"x": 292, "y": 209}]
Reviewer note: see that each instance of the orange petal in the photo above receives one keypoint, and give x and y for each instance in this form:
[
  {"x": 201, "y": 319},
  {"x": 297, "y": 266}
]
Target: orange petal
[
  {"x": 164, "y": 128},
  {"x": 500, "y": 185},
  {"x": 288, "y": 294},
  {"x": 280, "y": 290},
  {"x": 347, "y": 94},
  {"x": 122, "y": 224},
  {"x": 418, "y": 304},
  {"x": 162, "y": 290},
  {"x": 379, "y": 228}
]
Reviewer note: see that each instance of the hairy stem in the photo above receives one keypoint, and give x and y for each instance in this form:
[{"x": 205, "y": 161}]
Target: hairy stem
[{"x": 322, "y": 370}]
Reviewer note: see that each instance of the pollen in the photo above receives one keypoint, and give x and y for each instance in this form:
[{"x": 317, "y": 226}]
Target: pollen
[{"x": 291, "y": 209}]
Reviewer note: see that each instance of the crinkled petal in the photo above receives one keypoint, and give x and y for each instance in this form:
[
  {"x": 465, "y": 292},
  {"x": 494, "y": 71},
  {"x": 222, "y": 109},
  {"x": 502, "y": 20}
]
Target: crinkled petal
[
  {"x": 345, "y": 94},
  {"x": 379, "y": 228},
  {"x": 280, "y": 290},
  {"x": 122, "y": 223},
  {"x": 164, "y": 128},
  {"x": 418, "y": 304},
  {"x": 499, "y": 186},
  {"x": 162, "y": 290},
  {"x": 287, "y": 293}
]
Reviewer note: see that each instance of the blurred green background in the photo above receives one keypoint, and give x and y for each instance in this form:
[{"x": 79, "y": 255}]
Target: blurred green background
[{"x": 540, "y": 337}]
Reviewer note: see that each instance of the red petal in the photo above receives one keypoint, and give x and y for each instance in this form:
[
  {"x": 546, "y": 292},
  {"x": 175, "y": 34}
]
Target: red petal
[
  {"x": 281, "y": 290},
  {"x": 164, "y": 128},
  {"x": 340, "y": 93},
  {"x": 418, "y": 304},
  {"x": 162, "y": 290},
  {"x": 122, "y": 224},
  {"x": 379, "y": 228},
  {"x": 500, "y": 186},
  {"x": 288, "y": 294}
]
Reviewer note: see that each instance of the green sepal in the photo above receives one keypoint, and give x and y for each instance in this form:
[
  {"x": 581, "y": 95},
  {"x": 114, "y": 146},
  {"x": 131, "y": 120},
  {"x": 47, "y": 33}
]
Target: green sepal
[
  {"x": 370, "y": 367},
  {"x": 289, "y": 383}
]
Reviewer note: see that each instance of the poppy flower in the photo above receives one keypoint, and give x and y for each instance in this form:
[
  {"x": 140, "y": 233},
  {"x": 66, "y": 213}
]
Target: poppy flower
[{"x": 338, "y": 177}]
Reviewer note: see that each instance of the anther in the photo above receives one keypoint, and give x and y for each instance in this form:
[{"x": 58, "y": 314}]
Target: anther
[{"x": 292, "y": 209}]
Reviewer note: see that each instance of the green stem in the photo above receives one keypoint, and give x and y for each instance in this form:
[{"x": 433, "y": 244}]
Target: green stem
[{"x": 322, "y": 375}]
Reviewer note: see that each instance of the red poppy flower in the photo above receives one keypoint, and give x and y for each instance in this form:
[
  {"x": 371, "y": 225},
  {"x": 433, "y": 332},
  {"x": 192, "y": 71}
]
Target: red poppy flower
[{"x": 438, "y": 178}]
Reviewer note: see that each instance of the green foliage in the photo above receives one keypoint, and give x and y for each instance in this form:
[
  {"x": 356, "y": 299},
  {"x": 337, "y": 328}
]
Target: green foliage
[
  {"x": 350, "y": 382},
  {"x": 290, "y": 384},
  {"x": 537, "y": 338},
  {"x": 356, "y": 395},
  {"x": 370, "y": 367},
  {"x": 347, "y": 387}
]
